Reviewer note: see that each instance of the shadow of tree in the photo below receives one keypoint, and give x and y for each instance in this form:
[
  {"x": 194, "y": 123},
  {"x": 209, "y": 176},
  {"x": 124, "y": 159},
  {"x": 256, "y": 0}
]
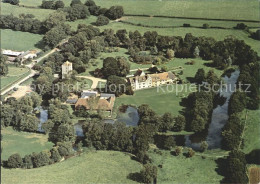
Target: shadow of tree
[{"x": 135, "y": 177}]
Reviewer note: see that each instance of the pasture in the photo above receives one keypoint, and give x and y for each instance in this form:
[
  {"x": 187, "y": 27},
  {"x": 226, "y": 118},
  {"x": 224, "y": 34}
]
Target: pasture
[
  {"x": 179, "y": 169},
  {"x": 41, "y": 14},
  {"x": 91, "y": 167},
  {"x": 14, "y": 74},
  {"x": 251, "y": 134},
  {"x": 19, "y": 41},
  {"x": 22, "y": 143},
  {"x": 224, "y": 9}
]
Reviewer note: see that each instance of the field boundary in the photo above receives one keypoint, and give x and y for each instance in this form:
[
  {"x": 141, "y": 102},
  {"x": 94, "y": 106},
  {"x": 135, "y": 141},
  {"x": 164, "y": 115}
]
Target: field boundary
[{"x": 192, "y": 18}]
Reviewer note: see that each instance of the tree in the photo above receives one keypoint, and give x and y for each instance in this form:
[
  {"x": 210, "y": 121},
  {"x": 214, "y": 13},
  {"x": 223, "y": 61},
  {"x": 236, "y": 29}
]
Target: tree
[
  {"x": 65, "y": 148},
  {"x": 77, "y": 11},
  {"x": 101, "y": 21},
  {"x": 170, "y": 53},
  {"x": 116, "y": 85},
  {"x": 59, "y": 4},
  {"x": 167, "y": 122},
  {"x": 55, "y": 155},
  {"x": 204, "y": 145},
  {"x": 115, "y": 12},
  {"x": 62, "y": 133},
  {"x": 29, "y": 123},
  {"x": 148, "y": 173},
  {"x": 15, "y": 2},
  {"x": 115, "y": 66},
  {"x": 36, "y": 99},
  {"x": 27, "y": 162},
  {"x": 90, "y": 3},
  {"x": 199, "y": 76},
  {"x": 196, "y": 52},
  {"x": 54, "y": 19},
  {"x": 74, "y": 2},
  {"x": 7, "y": 115},
  {"x": 41, "y": 159},
  {"x": 15, "y": 161},
  {"x": 237, "y": 102},
  {"x": 179, "y": 123},
  {"x": 3, "y": 65},
  {"x": 47, "y": 4}
]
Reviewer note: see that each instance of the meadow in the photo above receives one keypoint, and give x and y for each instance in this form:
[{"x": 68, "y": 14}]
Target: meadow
[
  {"x": 91, "y": 167},
  {"x": 22, "y": 142},
  {"x": 179, "y": 169},
  {"x": 252, "y": 129},
  {"x": 14, "y": 74},
  {"x": 19, "y": 41}
]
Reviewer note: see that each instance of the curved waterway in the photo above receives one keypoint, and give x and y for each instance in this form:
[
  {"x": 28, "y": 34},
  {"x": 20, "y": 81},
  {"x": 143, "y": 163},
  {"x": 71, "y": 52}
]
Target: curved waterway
[{"x": 218, "y": 120}]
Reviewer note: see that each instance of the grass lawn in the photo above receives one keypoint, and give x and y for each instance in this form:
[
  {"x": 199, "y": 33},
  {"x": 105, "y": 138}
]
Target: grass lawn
[
  {"x": 92, "y": 167},
  {"x": 252, "y": 129},
  {"x": 14, "y": 74},
  {"x": 17, "y": 40},
  {"x": 225, "y": 9},
  {"x": 41, "y": 14},
  {"x": 179, "y": 169},
  {"x": 22, "y": 142},
  {"x": 74, "y": 25}
]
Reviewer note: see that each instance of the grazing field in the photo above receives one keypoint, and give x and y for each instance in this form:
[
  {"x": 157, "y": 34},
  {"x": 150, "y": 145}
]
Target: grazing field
[
  {"x": 158, "y": 21},
  {"x": 224, "y": 9},
  {"x": 22, "y": 143},
  {"x": 14, "y": 74},
  {"x": 41, "y": 14},
  {"x": 252, "y": 129},
  {"x": 19, "y": 41},
  {"x": 92, "y": 167},
  {"x": 179, "y": 169}
]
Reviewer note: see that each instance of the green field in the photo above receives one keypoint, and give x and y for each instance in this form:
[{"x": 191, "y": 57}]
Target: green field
[
  {"x": 179, "y": 169},
  {"x": 252, "y": 129},
  {"x": 225, "y": 9},
  {"x": 41, "y": 14},
  {"x": 22, "y": 142},
  {"x": 19, "y": 41},
  {"x": 14, "y": 74},
  {"x": 92, "y": 167}
]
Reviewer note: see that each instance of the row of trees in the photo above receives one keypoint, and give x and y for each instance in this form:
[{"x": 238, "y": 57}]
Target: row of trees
[
  {"x": 20, "y": 113},
  {"x": 13, "y": 2},
  {"x": 52, "y": 4},
  {"x": 43, "y": 158}
]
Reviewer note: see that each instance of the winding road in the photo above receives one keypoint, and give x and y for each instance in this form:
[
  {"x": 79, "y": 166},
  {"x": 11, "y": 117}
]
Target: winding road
[{"x": 94, "y": 80}]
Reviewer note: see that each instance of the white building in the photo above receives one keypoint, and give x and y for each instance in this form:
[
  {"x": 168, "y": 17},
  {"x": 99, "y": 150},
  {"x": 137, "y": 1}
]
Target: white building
[
  {"x": 66, "y": 69},
  {"x": 142, "y": 80}
]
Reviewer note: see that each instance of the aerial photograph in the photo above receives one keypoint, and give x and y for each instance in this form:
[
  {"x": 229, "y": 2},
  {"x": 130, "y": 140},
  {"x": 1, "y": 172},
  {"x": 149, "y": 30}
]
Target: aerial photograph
[{"x": 130, "y": 91}]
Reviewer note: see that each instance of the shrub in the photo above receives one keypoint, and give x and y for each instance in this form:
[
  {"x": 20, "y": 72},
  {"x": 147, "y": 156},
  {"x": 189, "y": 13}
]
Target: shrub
[
  {"x": 190, "y": 153},
  {"x": 205, "y": 26},
  {"x": 186, "y": 25},
  {"x": 115, "y": 12},
  {"x": 15, "y": 161},
  {"x": 178, "y": 150}
]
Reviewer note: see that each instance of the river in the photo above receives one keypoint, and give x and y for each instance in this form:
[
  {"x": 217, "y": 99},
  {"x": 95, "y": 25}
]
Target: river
[{"x": 219, "y": 118}]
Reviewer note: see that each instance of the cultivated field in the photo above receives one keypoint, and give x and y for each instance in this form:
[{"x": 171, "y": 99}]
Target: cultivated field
[
  {"x": 179, "y": 169},
  {"x": 13, "y": 75},
  {"x": 22, "y": 143},
  {"x": 91, "y": 167},
  {"x": 19, "y": 41}
]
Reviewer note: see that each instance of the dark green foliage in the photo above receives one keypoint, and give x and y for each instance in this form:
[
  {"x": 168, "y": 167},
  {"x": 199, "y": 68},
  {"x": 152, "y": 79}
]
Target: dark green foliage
[
  {"x": 65, "y": 148},
  {"x": 59, "y": 4},
  {"x": 164, "y": 141},
  {"x": 74, "y": 2},
  {"x": 90, "y": 3},
  {"x": 41, "y": 159},
  {"x": 167, "y": 122},
  {"x": 27, "y": 162},
  {"x": 15, "y": 161},
  {"x": 236, "y": 168},
  {"x": 3, "y": 65},
  {"x": 55, "y": 155},
  {"x": 241, "y": 26},
  {"x": 204, "y": 145},
  {"x": 115, "y": 12},
  {"x": 179, "y": 123},
  {"x": 48, "y": 4},
  {"x": 81, "y": 112},
  {"x": 148, "y": 173},
  {"x": 190, "y": 153},
  {"x": 205, "y": 26},
  {"x": 237, "y": 102},
  {"x": 115, "y": 66},
  {"x": 77, "y": 11},
  {"x": 13, "y": 2},
  {"x": 200, "y": 76},
  {"x": 29, "y": 123},
  {"x": 116, "y": 85},
  {"x": 101, "y": 21}
]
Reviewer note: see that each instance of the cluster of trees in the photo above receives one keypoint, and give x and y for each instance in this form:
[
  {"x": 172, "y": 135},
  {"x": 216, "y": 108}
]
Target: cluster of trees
[
  {"x": 256, "y": 34},
  {"x": 20, "y": 114},
  {"x": 236, "y": 170},
  {"x": 43, "y": 158},
  {"x": 13, "y": 2},
  {"x": 231, "y": 132},
  {"x": 3, "y": 65},
  {"x": 113, "y": 13},
  {"x": 52, "y": 4}
]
